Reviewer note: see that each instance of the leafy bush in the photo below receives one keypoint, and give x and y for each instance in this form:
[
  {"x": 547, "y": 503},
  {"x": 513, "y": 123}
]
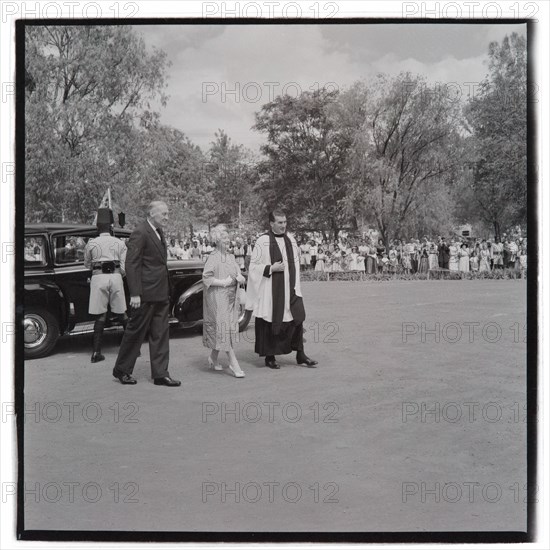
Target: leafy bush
[{"x": 498, "y": 274}]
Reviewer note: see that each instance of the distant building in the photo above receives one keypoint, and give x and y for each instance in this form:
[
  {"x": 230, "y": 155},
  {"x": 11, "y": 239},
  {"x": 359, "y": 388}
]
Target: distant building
[{"x": 464, "y": 231}]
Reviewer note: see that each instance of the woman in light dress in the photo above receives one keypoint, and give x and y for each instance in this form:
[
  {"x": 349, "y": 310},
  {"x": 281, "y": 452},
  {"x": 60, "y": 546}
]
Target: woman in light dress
[
  {"x": 464, "y": 258},
  {"x": 497, "y": 254},
  {"x": 484, "y": 258},
  {"x": 433, "y": 258},
  {"x": 221, "y": 278},
  {"x": 523, "y": 261},
  {"x": 321, "y": 258},
  {"x": 356, "y": 261},
  {"x": 336, "y": 260},
  {"x": 474, "y": 258},
  {"x": 406, "y": 262},
  {"x": 393, "y": 259},
  {"x": 305, "y": 254},
  {"x": 453, "y": 256}
]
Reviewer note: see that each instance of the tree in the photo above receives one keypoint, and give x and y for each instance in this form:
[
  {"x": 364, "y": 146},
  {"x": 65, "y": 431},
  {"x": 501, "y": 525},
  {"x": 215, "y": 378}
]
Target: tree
[
  {"x": 87, "y": 88},
  {"x": 497, "y": 123},
  {"x": 171, "y": 169},
  {"x": 406, "y": 149},
  {"x": 232, "y": 171},
  {"x": 304, "y": 171}
]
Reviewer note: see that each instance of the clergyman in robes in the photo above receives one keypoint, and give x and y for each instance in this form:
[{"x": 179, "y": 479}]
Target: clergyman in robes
[{"x": 274, "y": 295}]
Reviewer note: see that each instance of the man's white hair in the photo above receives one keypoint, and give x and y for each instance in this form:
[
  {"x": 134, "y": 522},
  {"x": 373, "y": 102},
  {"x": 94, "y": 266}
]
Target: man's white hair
[{"x": 153, "y": 205}]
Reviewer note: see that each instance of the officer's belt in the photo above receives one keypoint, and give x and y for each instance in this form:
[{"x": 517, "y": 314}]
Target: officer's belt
[{"x": 106, "y": 267}]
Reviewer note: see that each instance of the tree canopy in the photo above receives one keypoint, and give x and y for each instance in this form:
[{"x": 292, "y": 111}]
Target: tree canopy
[
  {"x": 91, "y": 85},
  {"x": 388, "y": 153},
  {"x": 497, "y": 123}
]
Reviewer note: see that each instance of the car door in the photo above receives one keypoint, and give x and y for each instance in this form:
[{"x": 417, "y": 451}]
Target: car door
[{"x": 70, "y": 274}]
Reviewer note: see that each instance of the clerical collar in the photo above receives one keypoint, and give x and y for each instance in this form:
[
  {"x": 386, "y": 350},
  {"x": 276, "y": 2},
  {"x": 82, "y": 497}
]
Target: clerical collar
[{"x": 278, "y": 234}]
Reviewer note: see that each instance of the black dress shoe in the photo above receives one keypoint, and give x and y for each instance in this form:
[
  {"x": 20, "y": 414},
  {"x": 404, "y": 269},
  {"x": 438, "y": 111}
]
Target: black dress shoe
[
  {"x": 271, "y": 363},
  {"x": 166, "y": 381},
  {"x": 303, "y": 359},
  {"x": 124, "y": 378},
  {"x": 97, "y": 357}
]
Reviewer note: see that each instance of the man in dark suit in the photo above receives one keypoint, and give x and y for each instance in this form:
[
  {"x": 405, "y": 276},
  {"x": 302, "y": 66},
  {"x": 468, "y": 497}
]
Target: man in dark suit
[
  {"x": 148, "y": 283},
  {"x": 443, "y": 253}
]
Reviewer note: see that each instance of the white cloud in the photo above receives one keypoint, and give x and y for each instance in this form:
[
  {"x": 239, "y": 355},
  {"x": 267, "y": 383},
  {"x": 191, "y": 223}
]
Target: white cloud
[{"x": 242, "y": 59}]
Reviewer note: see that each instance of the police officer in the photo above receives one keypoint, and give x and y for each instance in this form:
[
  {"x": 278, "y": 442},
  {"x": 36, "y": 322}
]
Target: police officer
[{"x": 105, "y": 256}]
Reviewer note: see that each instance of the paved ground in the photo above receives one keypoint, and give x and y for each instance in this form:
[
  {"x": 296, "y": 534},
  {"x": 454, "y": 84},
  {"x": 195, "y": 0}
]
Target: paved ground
[{"x": 350, "y": 446}]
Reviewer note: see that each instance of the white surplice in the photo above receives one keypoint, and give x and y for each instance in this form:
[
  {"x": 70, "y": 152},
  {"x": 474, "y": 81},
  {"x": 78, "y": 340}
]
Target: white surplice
[{"x": 259, "y": 288}]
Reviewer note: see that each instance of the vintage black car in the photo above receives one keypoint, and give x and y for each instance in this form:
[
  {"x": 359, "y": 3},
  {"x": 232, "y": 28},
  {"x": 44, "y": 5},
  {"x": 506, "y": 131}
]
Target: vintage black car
[{"x": 57, "y": 286}]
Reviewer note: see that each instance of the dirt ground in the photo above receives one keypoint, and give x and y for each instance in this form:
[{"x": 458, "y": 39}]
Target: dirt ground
[{"x": 414, "y": 421}]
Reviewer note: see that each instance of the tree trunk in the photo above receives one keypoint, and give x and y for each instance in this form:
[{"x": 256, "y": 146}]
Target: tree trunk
[{"x": 496, "y": 225}]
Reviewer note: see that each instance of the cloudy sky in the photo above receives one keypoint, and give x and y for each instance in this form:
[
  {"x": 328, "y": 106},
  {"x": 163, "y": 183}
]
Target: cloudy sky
[{"x": 211, "y": 61}]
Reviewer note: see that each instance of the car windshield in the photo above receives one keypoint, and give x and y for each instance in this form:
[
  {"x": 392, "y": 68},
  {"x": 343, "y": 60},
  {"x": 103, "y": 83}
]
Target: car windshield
[{"x": 35, "y": 251}]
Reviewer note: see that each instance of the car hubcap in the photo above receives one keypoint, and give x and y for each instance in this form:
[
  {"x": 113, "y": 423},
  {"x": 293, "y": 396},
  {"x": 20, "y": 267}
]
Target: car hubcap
[
  {"x": 242, "y": 313},
  {"x": 35, "y": 330}
]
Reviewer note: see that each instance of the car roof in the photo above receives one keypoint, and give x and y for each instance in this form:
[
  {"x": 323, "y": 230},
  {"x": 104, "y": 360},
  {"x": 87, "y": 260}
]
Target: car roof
[
  {"x": 185, "y": 264},
  {"x": 66, "y": 227}
]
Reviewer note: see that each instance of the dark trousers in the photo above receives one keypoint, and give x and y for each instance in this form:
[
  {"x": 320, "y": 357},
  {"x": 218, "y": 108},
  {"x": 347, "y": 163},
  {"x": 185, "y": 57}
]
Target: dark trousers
[{"x": 151, "y": 317}]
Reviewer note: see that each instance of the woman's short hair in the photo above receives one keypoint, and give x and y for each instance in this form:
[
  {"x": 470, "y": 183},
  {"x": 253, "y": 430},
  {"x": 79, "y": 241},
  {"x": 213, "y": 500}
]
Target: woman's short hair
[{"x": 217, "y": 233}]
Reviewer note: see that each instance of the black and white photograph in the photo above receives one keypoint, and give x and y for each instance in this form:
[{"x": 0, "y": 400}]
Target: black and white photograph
[{"x": 276, "y": 273}]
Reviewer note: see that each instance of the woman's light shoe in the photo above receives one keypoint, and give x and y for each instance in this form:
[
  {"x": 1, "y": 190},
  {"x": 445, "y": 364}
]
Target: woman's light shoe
[
  {"x": 237, "y": 372},
  {"x": 211, "y": 364}
]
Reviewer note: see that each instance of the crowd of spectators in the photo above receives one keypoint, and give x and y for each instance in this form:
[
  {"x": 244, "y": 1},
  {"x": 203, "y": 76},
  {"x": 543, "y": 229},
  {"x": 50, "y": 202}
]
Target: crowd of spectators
[
  {"x": 200, "y": 247},
  {"x": 413, "y": 255},
  {"x": 372, "y": 256},
  {"x": 366, "y": 255}
]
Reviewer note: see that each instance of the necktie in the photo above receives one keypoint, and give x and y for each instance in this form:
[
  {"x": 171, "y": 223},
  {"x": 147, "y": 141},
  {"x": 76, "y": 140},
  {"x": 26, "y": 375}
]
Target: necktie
[{"x": 161, "y": 234}]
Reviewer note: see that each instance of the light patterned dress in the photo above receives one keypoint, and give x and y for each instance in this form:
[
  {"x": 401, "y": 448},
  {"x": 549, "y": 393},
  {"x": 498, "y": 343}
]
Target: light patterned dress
[{"x": 220, "y": 304}]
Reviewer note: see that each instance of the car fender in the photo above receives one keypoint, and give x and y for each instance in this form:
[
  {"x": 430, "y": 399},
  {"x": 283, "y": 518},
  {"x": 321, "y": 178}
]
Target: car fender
[
  {"x": 49, "y": 296},
  {"x": 188, "y": 306}
]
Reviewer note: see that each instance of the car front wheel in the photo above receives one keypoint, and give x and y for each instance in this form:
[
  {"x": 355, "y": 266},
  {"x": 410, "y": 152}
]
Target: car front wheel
[{"x": 41, "y": 332}]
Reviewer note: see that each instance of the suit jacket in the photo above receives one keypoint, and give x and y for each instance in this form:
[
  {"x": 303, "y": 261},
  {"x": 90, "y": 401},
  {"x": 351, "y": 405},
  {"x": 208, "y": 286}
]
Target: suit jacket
[{"x": 146, "y": 265}]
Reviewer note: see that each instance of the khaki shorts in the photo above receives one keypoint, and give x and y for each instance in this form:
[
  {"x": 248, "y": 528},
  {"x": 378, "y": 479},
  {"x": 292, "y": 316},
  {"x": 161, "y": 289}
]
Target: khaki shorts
[{"x": 107, "y": 289}]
